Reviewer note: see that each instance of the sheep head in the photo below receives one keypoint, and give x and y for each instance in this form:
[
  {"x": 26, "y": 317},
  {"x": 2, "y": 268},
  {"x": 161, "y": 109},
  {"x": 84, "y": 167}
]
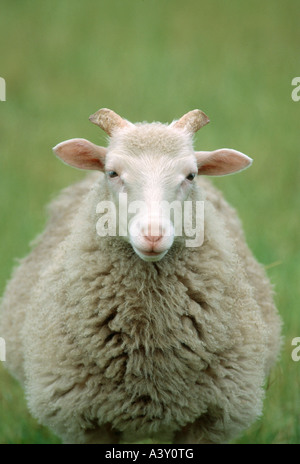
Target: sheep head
[{"x": 153, "y": 165}]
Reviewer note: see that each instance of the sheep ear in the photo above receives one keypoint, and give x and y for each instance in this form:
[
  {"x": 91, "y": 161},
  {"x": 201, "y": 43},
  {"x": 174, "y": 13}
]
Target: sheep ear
[
  {"x": 81, "y": 153},
  {"x": 221, "y": 162}
]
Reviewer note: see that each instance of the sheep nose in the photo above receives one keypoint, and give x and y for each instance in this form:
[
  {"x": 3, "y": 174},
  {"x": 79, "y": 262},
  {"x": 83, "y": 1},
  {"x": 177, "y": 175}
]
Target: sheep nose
[
  {"x": 153, "y": 233},
  {"x": 153, "y": 238}
]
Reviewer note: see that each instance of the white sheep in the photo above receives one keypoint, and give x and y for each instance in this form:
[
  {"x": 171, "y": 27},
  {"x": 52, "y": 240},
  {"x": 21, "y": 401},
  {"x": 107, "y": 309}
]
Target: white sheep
[{"x": 139, "y": 335}]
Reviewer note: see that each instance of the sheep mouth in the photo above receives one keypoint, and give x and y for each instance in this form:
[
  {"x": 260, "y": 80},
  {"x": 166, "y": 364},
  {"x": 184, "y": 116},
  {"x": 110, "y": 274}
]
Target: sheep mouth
[{"x": 150, "y": 255}]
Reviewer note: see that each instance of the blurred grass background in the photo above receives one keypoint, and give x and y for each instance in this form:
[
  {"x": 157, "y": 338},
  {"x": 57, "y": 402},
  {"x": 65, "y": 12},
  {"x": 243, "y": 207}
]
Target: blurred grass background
[{"x": 155, "y": 60}]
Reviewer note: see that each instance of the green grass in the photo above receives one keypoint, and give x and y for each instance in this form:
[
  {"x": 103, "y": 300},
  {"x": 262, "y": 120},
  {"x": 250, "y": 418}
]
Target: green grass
[{"x": 156, "y": 60}]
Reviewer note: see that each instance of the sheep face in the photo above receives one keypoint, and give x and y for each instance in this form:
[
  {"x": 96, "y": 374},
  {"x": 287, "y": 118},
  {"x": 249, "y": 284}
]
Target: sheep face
[{"x": 153, "y": 166}]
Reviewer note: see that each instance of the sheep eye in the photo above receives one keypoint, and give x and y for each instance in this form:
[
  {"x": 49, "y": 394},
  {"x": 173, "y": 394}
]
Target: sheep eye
[
  {"x": 191, "y": 176},
  {"x": 112, "y": 174}
]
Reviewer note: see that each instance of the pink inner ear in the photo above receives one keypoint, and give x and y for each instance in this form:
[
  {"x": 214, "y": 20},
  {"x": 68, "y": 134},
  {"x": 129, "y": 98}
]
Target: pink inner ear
[
  {"x": 81, "y": 153},
  {"x": 221, "y": 162}
]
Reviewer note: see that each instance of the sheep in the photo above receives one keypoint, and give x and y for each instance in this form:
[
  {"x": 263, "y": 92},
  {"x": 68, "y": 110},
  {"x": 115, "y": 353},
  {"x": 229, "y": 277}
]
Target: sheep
[{"x": 118, "y": 337}]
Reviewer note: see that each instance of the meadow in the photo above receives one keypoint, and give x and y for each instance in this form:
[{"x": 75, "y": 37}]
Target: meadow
[{"x": 62, "y": 60}]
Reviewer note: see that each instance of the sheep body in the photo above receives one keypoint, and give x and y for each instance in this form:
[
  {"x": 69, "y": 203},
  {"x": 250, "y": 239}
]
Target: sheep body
[{"x": 109, "y": 347}]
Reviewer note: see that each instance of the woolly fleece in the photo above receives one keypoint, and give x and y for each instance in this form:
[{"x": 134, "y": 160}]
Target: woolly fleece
[{"x": 109, "y": 347}]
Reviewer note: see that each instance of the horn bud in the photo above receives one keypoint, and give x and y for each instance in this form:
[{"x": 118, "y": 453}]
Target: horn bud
[
  {"x": 192, "y": 121},
  {"x": 108, "y": 120}
]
